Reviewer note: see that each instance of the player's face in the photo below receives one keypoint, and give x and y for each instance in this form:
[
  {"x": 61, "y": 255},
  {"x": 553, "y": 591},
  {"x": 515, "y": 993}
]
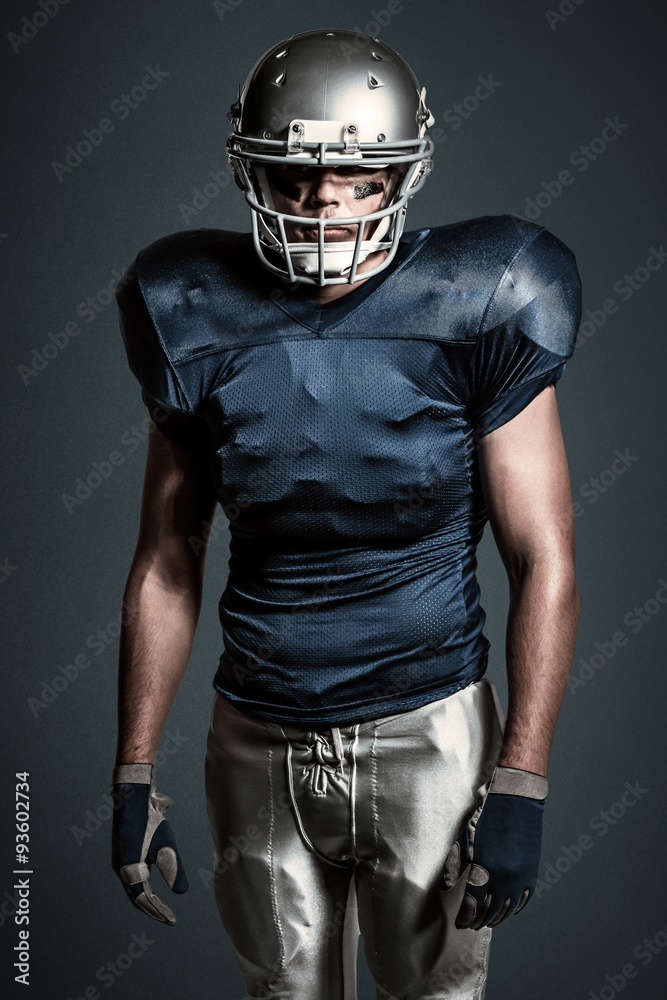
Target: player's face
[{"x": 326, "y": 193}]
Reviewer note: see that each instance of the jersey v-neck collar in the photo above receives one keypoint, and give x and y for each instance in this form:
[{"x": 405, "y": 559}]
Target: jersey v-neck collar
[{"x": 318, "y": 316}]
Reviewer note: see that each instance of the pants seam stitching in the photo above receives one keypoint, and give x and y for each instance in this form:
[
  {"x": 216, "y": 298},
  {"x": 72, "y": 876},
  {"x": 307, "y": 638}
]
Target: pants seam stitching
[
  {"x": 272, "y": 873},
  {"x": 376, "y": 844}
]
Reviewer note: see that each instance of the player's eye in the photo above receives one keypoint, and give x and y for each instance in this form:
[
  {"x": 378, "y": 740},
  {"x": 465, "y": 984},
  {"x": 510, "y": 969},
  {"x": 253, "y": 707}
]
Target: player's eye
[{"x": 296, "y": 170}]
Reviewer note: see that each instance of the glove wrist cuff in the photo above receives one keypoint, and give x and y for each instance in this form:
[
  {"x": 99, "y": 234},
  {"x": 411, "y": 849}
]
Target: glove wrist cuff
[
  {"x": 513, "y": 781},
  {"x": 132, "y": 774}
]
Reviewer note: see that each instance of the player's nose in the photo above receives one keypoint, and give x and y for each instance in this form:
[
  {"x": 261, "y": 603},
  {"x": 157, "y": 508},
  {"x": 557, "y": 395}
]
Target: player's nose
[{"x": 324, "y": 189}]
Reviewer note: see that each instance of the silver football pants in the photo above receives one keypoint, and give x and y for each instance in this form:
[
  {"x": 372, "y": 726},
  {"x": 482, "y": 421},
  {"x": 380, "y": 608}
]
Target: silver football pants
[{"x": 325, "y": 833}]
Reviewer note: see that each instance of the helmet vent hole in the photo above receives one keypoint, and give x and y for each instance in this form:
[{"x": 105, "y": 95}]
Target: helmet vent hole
[
  {"x": 282, "y": 53},
  {"x": 373, "y": 81},
  {"x": 279, "y": 80},
  {"x": 377, "y": 57}
]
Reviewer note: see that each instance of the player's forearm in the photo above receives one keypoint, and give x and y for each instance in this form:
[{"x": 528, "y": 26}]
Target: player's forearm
[
  {"x": 541, "y": 633},
  {"x": 156, "y": 640}
]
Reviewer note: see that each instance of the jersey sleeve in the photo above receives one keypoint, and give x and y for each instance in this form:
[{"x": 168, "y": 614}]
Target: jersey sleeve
[
  {"x": 528, "y": 331},
  {"x": 161, "y": 389}
]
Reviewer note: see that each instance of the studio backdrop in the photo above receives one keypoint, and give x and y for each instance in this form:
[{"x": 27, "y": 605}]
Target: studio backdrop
[{"x": 114, "y": 135}]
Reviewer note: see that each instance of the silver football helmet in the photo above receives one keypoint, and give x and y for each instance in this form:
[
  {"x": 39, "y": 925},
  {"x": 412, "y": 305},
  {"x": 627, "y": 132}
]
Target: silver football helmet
[{"x": 319, "y": 99}]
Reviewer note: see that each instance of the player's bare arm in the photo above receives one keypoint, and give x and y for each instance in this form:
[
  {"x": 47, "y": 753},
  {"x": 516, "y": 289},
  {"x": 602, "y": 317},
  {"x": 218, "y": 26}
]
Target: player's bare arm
[
  {"x": 527, "y": 491},
  {"x": 162, "y": 597}
]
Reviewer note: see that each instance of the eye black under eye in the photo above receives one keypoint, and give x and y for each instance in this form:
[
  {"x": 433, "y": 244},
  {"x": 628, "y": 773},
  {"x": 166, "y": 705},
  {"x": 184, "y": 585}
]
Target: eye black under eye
[
  {"x": 285, "y": 181},
  {"x": 366, "y": 188}
]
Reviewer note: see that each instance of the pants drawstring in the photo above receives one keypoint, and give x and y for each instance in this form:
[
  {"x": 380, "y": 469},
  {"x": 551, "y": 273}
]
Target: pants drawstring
[
  {"x": 338, "y": 743},
  {"x": 321, "y": 766}
]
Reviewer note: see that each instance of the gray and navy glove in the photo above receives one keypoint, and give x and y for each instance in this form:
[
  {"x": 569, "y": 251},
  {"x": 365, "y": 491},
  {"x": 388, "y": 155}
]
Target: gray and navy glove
[
  {"x": 142, "y": 837},
  {"x": 501, "y": 843}
]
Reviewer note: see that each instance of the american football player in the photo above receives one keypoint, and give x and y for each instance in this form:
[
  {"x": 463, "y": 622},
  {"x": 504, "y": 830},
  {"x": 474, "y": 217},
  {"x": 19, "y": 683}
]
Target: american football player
[{"x": 359, "y": 400}]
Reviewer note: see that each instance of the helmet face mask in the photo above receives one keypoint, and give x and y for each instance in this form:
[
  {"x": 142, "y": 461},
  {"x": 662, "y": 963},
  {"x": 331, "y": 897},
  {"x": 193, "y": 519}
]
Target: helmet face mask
[{"x": 383, "y": 129}]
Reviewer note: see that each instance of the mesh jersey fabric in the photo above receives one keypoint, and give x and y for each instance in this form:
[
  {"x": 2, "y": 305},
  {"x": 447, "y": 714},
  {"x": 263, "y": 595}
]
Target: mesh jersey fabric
[{"x": 341, "y": 440}]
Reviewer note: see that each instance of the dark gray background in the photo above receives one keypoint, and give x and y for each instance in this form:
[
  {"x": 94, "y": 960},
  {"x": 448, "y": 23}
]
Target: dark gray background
[{"x": 63, "y": 573}]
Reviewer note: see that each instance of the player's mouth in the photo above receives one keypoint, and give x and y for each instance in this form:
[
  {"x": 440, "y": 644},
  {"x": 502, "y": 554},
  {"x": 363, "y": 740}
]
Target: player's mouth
[{"x": 332, "y": 234}]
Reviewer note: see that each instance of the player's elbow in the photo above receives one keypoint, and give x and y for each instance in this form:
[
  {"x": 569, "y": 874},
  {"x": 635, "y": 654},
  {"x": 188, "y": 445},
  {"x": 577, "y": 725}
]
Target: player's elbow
[
  {"x": 173, "y": 568},
  {"x": 551, "y": 571}
]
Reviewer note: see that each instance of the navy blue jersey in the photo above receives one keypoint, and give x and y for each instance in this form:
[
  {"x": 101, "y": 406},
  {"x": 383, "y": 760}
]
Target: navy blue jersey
[{"x": 341, "y": 439}]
